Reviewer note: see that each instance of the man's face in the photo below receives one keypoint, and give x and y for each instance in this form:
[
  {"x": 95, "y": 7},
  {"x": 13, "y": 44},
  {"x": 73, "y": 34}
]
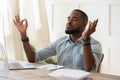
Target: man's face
[{"x": 74, "y": 24}]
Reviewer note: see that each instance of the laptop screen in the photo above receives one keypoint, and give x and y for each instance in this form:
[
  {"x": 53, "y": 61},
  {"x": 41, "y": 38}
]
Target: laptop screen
[
  {"x": 1, "y": 30},
  {"x": 2, "y": 40},
  {"x": 3, "y": 55}
]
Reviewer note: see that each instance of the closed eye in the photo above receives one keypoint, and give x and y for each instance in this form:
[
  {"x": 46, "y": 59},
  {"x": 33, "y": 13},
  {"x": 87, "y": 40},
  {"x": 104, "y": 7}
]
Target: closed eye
[{"x": 73, "y": 19}]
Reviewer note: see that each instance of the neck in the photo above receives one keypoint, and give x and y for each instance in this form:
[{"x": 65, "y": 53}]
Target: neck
[{"x": 74, "y": 37}]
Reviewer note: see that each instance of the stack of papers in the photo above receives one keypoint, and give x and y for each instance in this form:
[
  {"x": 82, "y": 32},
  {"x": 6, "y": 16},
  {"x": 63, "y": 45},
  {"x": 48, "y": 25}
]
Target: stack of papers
[
  {"x": 50, "y": 67},
  {"x": 70, "y": 74}
]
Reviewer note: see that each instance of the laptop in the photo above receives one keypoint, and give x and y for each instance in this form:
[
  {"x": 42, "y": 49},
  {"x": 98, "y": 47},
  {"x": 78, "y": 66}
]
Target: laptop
[{"x": 15, "y": 65}]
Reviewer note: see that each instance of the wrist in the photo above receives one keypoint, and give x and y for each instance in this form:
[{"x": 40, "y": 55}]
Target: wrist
[
  {"x": 23, "y": 35},
  {"x": 86, "y": 41},
  {"x": 25, "y": 39}
]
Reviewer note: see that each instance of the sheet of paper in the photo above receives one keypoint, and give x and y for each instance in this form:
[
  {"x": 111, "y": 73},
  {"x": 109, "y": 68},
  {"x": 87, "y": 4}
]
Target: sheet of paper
[
  {"x": 69, "y": 74},
  {"x": 50, "y": 67}
]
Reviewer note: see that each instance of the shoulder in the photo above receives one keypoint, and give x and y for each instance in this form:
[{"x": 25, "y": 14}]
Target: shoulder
[
  {"x": 64, "y": 38},
  {"x": 94, "y": 41},
  {"x": 61, "y": 40},
  {"x": 96, "y": 45}
]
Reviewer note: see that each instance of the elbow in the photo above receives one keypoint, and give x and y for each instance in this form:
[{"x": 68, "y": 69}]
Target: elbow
[
  {"x": 88, "y": 69},
  {"x": 31, "y": 58},
  {"x": 31, "y": 61}
]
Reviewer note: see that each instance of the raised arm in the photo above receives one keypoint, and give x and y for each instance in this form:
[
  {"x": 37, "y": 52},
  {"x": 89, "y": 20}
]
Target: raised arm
[
  {"x": 89, "y": 60},
  {"x": 22, "y": 28}
]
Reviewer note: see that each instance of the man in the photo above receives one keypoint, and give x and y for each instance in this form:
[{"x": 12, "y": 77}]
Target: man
[{"x": 78, "y": 50}]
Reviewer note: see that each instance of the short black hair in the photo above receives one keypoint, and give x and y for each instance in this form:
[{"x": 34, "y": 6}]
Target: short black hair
[{"x": 83, "y": 15}]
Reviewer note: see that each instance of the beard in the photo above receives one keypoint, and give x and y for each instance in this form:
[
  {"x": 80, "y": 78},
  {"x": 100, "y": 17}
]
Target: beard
[{"x": 73, "y": 31}]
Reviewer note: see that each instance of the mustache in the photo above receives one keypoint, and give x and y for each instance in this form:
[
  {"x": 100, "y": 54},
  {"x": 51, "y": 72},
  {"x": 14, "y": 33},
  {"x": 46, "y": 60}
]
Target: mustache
[{"x": 68, "y": 25}]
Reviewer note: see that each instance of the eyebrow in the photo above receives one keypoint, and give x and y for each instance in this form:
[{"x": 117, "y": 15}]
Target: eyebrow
[{"x": 74, "y": 17}]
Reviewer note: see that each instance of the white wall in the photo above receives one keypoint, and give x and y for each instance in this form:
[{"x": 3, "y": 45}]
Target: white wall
[{"x": 108, "y": 13}]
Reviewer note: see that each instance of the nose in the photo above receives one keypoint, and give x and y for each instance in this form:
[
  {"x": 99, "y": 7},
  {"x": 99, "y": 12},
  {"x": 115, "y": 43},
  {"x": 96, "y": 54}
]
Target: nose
[
  {"x": 70, "y": 21},
  {"x": 68, "y": 24}
]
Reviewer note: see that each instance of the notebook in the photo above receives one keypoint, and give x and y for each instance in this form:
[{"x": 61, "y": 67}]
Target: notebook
[
  {"x": 70, "y": 74},
  {"x": 51, "y": 67},
  {"x": 15, "y": 65}
]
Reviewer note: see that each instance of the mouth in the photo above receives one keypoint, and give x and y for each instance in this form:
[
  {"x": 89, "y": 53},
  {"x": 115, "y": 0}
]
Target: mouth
[{"x": 68, "y": 26}]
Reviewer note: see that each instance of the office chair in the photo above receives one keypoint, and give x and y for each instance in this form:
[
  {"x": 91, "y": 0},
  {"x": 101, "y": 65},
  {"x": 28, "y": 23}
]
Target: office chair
[{"x": 99, "y": 66}]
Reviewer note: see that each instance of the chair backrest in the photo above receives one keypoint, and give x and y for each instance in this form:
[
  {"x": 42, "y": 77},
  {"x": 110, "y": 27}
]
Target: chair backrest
[{"x": 99, "y": 66}]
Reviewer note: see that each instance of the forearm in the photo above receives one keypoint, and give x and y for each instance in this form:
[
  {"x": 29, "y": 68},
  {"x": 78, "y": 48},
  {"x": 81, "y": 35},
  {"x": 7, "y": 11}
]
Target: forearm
[
  {"x": 28, "y": 50},
  {"x": 89, "y": 60}
]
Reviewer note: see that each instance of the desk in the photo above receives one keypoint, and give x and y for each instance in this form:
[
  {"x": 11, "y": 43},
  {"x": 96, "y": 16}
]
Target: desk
[{"x": 38, "y": 74}]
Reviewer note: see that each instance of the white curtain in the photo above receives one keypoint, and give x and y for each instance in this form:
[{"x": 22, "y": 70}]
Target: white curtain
[{"x": 35, "y": 12}]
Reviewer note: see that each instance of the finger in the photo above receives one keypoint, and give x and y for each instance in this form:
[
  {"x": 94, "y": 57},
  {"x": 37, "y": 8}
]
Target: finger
[
  {"x": 90, "y": 23},
  {"x": 95, "y": 23},
  {"x": 18, "y": 18},
  {"x": 24, "y": 22},
  {"x": 14, "y": 22},
  {"x": 89, "y": 26}
]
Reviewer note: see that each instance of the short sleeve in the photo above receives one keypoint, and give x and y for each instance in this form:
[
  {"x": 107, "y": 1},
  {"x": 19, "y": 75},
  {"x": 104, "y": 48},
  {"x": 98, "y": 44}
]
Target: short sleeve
[
  {"x": 45, "y": 52},
  {"x": 97, "y": 53}
]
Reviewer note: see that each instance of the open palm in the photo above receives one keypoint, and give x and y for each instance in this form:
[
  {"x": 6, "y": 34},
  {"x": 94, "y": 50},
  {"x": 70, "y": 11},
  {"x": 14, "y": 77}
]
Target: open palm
[
  {"x": 21, "y": 24},
  {"x": 90, "y": 29}
]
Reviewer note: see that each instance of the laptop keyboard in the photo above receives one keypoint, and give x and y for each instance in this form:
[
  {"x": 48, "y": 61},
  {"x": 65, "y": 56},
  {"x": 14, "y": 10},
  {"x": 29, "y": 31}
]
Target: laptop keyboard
[{"x": 15, "y": 65}]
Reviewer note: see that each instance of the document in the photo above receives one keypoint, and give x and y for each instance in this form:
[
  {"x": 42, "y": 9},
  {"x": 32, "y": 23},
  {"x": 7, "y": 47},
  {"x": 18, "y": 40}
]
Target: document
[
  {"x": 69, "y": 74},
  {"x": 50, "y": 67}
]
